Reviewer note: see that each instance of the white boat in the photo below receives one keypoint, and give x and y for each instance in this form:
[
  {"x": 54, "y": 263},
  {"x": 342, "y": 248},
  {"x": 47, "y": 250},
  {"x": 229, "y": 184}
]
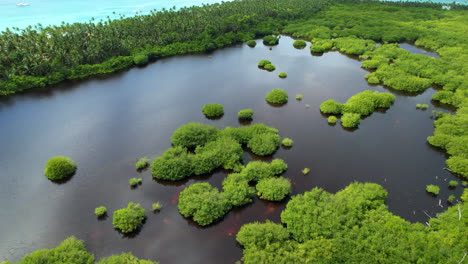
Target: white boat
[{"x": 22, "y": 4}]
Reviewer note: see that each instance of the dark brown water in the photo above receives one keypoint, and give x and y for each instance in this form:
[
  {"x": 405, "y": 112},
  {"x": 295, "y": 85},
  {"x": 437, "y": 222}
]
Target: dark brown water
[{"x": 106, "y": 125}]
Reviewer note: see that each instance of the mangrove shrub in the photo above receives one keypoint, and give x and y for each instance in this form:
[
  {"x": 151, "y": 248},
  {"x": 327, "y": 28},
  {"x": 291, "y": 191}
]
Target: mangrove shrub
[
  {"x": 59, "y": 167},
  {"x": 142, "y": 163},
  {"x": 245, "y": 114},
  {"x": 277, "y": 96},
  {"x": 129, "y": 219},
  {"x": 350, "y": 120},
  {"x": 269, "y": 67},
  {"x": 273, "y": 189},
  {"x": 251, "y": 43},
  {"x": 287, "y": 142},
  {"x": 434, "y": 189},
  {"x": 270, "y": 40},
  {"x": 262, "y": 63},
  {"x": 282, "y": 75},
  {"x": 213, "y": 110},
  {"x": 100, "y": 211},
  {"x": 192, "y": 135},
  {"x": 299, "y": 44},
  {"x": 264, "y": 144}
]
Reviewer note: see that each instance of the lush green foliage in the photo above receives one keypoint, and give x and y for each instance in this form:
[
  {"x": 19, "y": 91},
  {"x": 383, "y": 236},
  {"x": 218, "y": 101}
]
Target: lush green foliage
[
  {"x": 287, "y": 142},
  {"x": 332, "y": 119},
  {"x": 142, "y": 163},
  {"x": 263, "y": 63},
  {"x": 434, "y": 189},
  {"x": 245, "y": 114},
  {"x": 175, "y": 164},
  {"x": 251, "y": 43},
  {"x": 39, "y": 56},
  {"x": 299, "y": 44},
  {"x": 129, "y": 219},
  {"x": 350, "y": 120},
  {"x": 298, "y": 97},
  {"x": 73, "y": 251},
  {"x": 353, "y": 226},
  {"x": 203, "y": 202},
  {"x": 59, "y": 167},
  {"x": 305, "y": 171},
  {"x": 140, "y": 59},
  {"x": 100, "y": 211},
  {"x": 464, "y": 196},
  {"x": 451, "y": 198},
  {"x": 264, "y": 144},
  {"x": 213, "y": 110},
  {"x": 156, "y": 206},
  {"x": 453, "y": 183},
  {"x": 192, "y": 135},
  {"x": 270, "y": 40},
  {"x": 273, "y": 189},
  {"x": 331, "y": 107},
  {"x": 134, "y": 181},
  {"x": 269, "y": 67},
  {"x": 277, "y": 96},
  {"x": 282, "y": 75}
]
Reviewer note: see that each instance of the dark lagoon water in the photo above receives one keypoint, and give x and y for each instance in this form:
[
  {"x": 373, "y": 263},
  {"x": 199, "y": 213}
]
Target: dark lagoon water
[{"x": 106, "y": 124}]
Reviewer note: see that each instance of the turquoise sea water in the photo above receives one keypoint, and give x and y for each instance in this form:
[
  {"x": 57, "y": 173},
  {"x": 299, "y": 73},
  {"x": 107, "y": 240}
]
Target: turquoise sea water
[{"x": 53, "y": 12}]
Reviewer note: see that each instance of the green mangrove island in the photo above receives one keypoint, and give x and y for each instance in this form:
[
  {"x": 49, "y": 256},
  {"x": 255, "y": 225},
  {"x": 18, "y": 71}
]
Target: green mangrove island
[{"x": 227, "y": 174}]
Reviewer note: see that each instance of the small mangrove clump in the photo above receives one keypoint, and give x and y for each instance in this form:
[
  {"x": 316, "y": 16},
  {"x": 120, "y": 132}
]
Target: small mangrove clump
[
  {"x": 213, "y": 110},
  {"x": 277, "y": 96},
  {"x": 270, "y": 40},
  {"x": 332, "y": 119},
  {"x": 273, "y": 189},
  {"x": 434, "y": 189},
  {"x": 350, "y": 120},
  {"x": 299, "y": 44},
  {"x": 100, "y": 211},
  {"x": 264, "y": 144},
  {"x": 331, "y": 107},
  {"x": 287, "y": 142},
  {"x": 270, "y": 67},
  {"x": 156, "y": 206},
  {"x": 418, "y": 106},
  {"x": 142, "y": 163},
  {"x": 305, "y": 171},
  {"x": 453, "y": 184},
  {"x": 251, "y": 43},
  {"x": 424, "y": 106},
  {"x": 59, "y": 167},
  {"x": 451, "y": 198},
  {"x": 140, "y": 59},
  {"x": 130, "y": 218},
  {"x": 262, "y": 63},
  {"x": 298, "y": 97},
  {"x": 134, "y": 182},
  {"x": 245, "y": 114},
  {"x": 282, "y": 75}
]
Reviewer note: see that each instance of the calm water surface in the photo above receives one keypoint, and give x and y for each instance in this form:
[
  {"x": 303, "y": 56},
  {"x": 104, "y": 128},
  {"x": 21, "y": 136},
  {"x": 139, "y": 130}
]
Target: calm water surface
[{"x": 106, "y": 124}]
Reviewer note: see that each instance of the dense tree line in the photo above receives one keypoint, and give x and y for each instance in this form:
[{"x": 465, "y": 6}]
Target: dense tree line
[{"x": 354, "y": 226}]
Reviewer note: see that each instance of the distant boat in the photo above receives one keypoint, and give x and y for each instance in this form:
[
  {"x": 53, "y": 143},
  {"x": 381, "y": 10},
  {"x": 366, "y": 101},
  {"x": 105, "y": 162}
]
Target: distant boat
[{"x": 22, "y": 4}]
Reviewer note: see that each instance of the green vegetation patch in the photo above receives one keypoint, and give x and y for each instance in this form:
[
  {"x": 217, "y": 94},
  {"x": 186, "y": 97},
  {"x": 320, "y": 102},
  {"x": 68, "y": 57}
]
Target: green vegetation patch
[
  {"x": 73, "y": 251},
  {"x": 270, "y": 40},
  {"x": 140, "y": 59},
  {"x": 213, "y": 110},
  {"x": 129, "y": 219},
  {"x": 245, "y": 114},
  {"x": 269, "y": 67},
  {"x": 434, "y": 189},
  {"x": 156, "y": 206},
  {"x": 100, "y": 211},
  {"x": 298, "y": 97},
  {"x": 453, "y": 183},
  {"x": 273, "y": 189},
  {"x": 287, "y": 142},
  {"x": 58, "y": 168},
  {"x": 251, "y": 43},
  {"x": 277, "y": 96},
  {"x": 282, "y": 75},
  {"x": 142, "y": 163},
  {"x": 305, "y": 171},
  {"x": 332, "y": 119},
  {"x": 134, "y": 182},
  {"x": 350, "y": 120},
  {"x": 299, "y": 44},
  {"x": 321, "y": 227},
  {"x": 263, "y": 63}
]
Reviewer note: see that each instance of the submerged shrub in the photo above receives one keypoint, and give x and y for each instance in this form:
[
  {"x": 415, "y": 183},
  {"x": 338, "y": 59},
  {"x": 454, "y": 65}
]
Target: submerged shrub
[
  {"x": 130, "y": 218},
  {"x": 59, "y": 167},
  {"x": 434, "y": 189},
  {"x": 156, "y": 206},
  {"x": 350, "y": 120},
  {"x": 305, "y": 171},
  {"x": 262, "y": 63},
  {"x": 204, "y": 203},
  {"x": 269, "y": 67},
  {"x": 418, "y": 105},
  {"x": 298, "y": 97},
  {"x": 100, "y": 211},
  {"x": 213, "y": 110},
  {"x": 424, "y": 106},
  {"x": 140, "y": 59},
  {"x": 134, "y": 181},
  {"x": 451, "y": 198},
  {"x": 282, "y": 75},
  {"x": 142, "y": 163},
  {"x": 332, "y": 119},
  {"x": 299, "y": 44},
  {"x": 270, "y": 40},
  {"x": 251, "y": 43},
  {"x": 331, "y": 107},
  {"x": 453, "y": 183},
  {"x": 287, "y": 142},
  {"x": 277, "y": 96},
  {"x": 273, "y": 189},
  {"x": 264, "y": 144},
  {"x": 192, "y": 135},
  {"x": 245, "y": 114}
]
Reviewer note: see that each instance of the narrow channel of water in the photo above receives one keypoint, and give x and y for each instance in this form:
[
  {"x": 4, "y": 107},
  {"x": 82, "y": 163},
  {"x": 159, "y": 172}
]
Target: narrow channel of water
[{"x": 106, "y": 124}]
